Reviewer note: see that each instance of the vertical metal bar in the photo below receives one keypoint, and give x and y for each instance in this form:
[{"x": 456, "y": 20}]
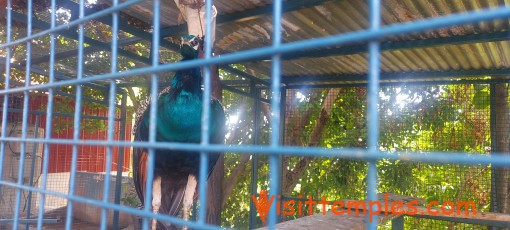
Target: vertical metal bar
[
  {"x": 494, "y": 201},
  {"x": 111, "y": 117},
  {"x": 373, "y": 113},
  {"x": 7, "y": 85},
  {"x": 283, "y": 110},
  {"x": 77, "y": 118},
  {"x": 274, "y": 160},
  {"x": 194, "y": 211},
  {"x": 32, "y": 170},
  {"x": 255, "y": 158},
  {"x": 49, "y": 116},
  {"x": 24, "y": 121},
  {"x": 152, "y": 113},
  {"x": 397, "y": 223},
  {"x": 120, "y": 159},
  {"x": 206, "y": 111}
]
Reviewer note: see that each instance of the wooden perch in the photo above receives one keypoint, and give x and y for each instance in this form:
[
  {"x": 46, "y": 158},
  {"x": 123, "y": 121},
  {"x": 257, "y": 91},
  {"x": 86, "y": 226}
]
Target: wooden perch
[
  {"x": 193, "y": 11},
  {"x": 354, "y": 221},
  {"x": 340, "y": 222}
]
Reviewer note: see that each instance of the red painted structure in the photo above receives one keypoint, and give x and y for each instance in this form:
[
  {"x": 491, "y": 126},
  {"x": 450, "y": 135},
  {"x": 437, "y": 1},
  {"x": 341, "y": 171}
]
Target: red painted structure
[{"x": 90, "y": 158}]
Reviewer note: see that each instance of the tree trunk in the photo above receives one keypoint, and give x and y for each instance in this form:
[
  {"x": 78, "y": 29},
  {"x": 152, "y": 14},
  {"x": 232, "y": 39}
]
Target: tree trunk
[
  {"x": 230, "y": 183},
  {"x": 292, "y": 177},
  {"x": 215, "y": 182},
  {"x": 132, "y": 96},
  {"x": 502, "y": 126}
]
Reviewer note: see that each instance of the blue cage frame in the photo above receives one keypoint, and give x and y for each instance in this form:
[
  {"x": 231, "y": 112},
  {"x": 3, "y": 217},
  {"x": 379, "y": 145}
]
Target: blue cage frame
[{"x": 275, "y": 150}]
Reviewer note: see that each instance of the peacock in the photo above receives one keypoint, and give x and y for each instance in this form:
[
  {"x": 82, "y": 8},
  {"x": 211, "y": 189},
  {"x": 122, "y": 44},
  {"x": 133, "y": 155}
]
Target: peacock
[{"x": 178, "y": 119}]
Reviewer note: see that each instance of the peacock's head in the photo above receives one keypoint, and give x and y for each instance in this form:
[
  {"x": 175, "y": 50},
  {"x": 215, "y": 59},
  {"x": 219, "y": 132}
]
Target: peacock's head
[{"x": 190, "y": 46}]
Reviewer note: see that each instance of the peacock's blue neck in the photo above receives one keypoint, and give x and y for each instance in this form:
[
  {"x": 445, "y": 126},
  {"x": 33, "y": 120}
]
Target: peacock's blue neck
[{"x": 186, "y": 82}]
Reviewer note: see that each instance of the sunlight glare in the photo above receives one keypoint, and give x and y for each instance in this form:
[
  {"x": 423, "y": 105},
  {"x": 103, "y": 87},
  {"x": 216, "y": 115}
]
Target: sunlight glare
[
  {"x": 300, "y": 96},
  {"x": 233, "y": 119}
]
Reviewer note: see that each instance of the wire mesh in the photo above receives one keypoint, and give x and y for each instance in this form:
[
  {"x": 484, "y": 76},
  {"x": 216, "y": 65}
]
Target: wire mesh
[{"x": 413, "y": 118}]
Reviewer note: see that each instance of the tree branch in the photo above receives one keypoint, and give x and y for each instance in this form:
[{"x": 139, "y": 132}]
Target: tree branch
[
  {"x": 133, "y": 98},
  {"x": 228, "y": 184},
  {"x": 237, "y": 172},
  {"x": 292, "y": 177},
  {"x": 298, "y": 126}
]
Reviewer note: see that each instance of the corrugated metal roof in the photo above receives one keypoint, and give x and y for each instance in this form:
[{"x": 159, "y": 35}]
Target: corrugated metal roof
[{"x": 343, "y": 16}]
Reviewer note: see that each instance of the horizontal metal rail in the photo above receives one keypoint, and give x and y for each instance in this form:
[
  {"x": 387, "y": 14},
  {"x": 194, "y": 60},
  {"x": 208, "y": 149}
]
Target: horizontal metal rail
[
  {"x": 341, "y": 39},
  {"x": 387, "y": 84},
  {"x": 111, "y": 206},
  {"x": 74, "y": 23},
  {"x": 38, "y": 112},
  {"x": 28, "y": 221},
  {"x": 345, "y": 153}
]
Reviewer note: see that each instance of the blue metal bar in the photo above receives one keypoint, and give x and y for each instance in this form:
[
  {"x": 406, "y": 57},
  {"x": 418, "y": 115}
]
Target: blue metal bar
[
  {"x": 120, "y": 159},
  {"x": 387, "y": 84},
  {"x": 5, "y": 109},
  {"x": 373, "y": 112},
  {"x": 388, "y": 46},
  {"x": 58, "y": 75},
  {"x": 340, "y": 39},
  {"x": 344, "y": 153},
  {"x": 32, "y": 170},
  {"x": 224, "y": 85},
  {"x": 73, "y": 35},
  {"x": 255, "y": 158},
  {"x": 77, "y": 118},
  {"x": 274, "y": 160},
  {"x": 57, "y": 114},
  {"x": 74, "y": 23},
  {"x": 120, "y": 208},
  {"x": 206, "y": 109},
  {"x": 111, "y": 116},
  {"x": 397, "y": 223},
  {"x": 244, "y": 74},
  {"x": 123, "y": 25},
  {"x": 49, "y": 117},
  {"x": 58, "y": 92},
  {"x": 494, "y": 202},
  {"x": 24, "y": 125},
  {"x": 152, "y": 113},
  {"x": 149, "y": 185},
  {"x": 281, "y": 141},
  {"x": 242, "y": 93},
  {"x": 27, "y": 221},
  {"x": 86, "y": 50},
  {"x": 395, "y": 76},
  {"x": 146, "y": 36},
  {"x": 385, "y": 46},
  {"x": 491, "y": 224}
]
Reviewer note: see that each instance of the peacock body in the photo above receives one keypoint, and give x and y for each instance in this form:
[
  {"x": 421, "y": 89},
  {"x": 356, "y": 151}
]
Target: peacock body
[{"x": 178, "y": 119}]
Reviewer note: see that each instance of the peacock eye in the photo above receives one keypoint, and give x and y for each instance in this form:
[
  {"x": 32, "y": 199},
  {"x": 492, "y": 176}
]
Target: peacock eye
[{"x": 194, "y": 42}]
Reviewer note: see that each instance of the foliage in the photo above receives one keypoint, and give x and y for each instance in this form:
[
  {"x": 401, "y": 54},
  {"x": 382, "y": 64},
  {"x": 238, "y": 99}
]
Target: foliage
[{"x": 413, "y": 118}]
